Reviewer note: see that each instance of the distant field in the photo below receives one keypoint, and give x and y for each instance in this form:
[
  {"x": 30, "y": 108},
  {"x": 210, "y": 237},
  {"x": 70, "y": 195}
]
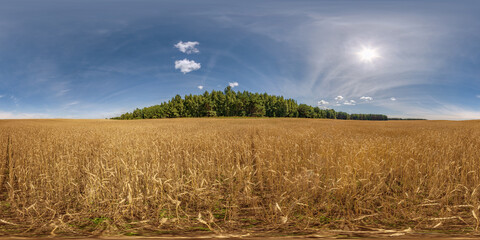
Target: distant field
[{"x": 237, "y": 175}]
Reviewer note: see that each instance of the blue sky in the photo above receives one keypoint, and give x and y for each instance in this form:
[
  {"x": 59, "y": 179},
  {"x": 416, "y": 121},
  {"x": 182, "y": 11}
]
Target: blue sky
[{"x": 97, "y": 59}]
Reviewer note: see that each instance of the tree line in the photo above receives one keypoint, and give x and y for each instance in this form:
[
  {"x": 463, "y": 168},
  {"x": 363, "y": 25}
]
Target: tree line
[{"x": 239, "y": 104}]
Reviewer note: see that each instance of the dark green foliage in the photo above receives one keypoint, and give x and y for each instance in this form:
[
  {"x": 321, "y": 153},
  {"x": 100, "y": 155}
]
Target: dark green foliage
[{"x": 241, "y": 104}]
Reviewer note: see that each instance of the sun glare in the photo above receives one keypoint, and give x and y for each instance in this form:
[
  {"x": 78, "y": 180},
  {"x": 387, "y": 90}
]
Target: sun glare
[{"x": 368, "y": 54}]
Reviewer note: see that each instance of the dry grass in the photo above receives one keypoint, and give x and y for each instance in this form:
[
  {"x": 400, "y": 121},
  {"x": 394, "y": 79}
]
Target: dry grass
[{"x": 156, "y": 176}]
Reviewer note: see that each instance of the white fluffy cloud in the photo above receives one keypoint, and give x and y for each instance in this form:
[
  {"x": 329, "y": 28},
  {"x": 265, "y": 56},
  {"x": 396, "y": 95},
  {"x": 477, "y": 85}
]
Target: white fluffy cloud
[
  {"x": 200, "y": 87},
  {"x": 186, "y": 65},
  {"x": 322, "y": 102},
  {"x": 351, "y": 102},
  {"x": 393, "y": 99},
  {"x": 233, "y": 84},
  {"x": 187, "y": 47},
  {"x": 339, "y": 98},
  {"x": 366, "y": 98}
]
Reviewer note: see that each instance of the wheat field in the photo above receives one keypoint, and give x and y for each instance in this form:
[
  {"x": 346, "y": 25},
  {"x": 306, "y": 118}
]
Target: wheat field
[{"x": 237, "y": 175}]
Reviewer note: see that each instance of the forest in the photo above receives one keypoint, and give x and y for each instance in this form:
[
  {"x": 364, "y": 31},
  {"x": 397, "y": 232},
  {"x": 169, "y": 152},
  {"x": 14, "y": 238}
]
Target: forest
[{"x": 239, "y": 104}]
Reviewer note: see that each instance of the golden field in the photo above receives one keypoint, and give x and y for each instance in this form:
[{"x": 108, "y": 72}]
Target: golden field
[{"x": 237, "y": 175}]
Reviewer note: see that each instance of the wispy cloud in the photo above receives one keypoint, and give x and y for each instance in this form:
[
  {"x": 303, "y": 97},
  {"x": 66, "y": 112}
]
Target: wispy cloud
[
  {"x": 62, "y": 92},
  {"x": 13, "y": 115},
  {"x": 15, "y": 100},
  {"x": 72, "y": 103},
  {"x": 334, "y": 65},
  {"x": 338, "y": 98},
  {"x": 233, "y": 84},
  {"x": 434, "y": 111},
  {"x": 350, "y": 103},
  {"x": 409, "y": 54},
  {"x": 187, "y": 47},
  {"x": 187, "y": 66},
  {"x": 200, "y": 87}
]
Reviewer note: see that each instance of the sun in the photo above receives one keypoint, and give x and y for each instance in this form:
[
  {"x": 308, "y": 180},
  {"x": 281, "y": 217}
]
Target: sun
[{"x": 368, "y": 54}]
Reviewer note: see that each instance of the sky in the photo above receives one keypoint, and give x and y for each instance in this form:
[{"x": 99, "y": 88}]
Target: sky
[{"x": 101, "y": 58}]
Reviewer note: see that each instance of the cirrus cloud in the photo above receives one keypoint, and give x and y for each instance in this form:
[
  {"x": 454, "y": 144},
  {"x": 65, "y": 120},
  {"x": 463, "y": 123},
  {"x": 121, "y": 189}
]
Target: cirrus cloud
[{"x": 15, "y": 115}]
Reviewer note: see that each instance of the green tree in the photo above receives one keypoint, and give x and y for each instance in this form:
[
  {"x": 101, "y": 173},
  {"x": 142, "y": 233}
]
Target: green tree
[{"x": 231, "y": 103}]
